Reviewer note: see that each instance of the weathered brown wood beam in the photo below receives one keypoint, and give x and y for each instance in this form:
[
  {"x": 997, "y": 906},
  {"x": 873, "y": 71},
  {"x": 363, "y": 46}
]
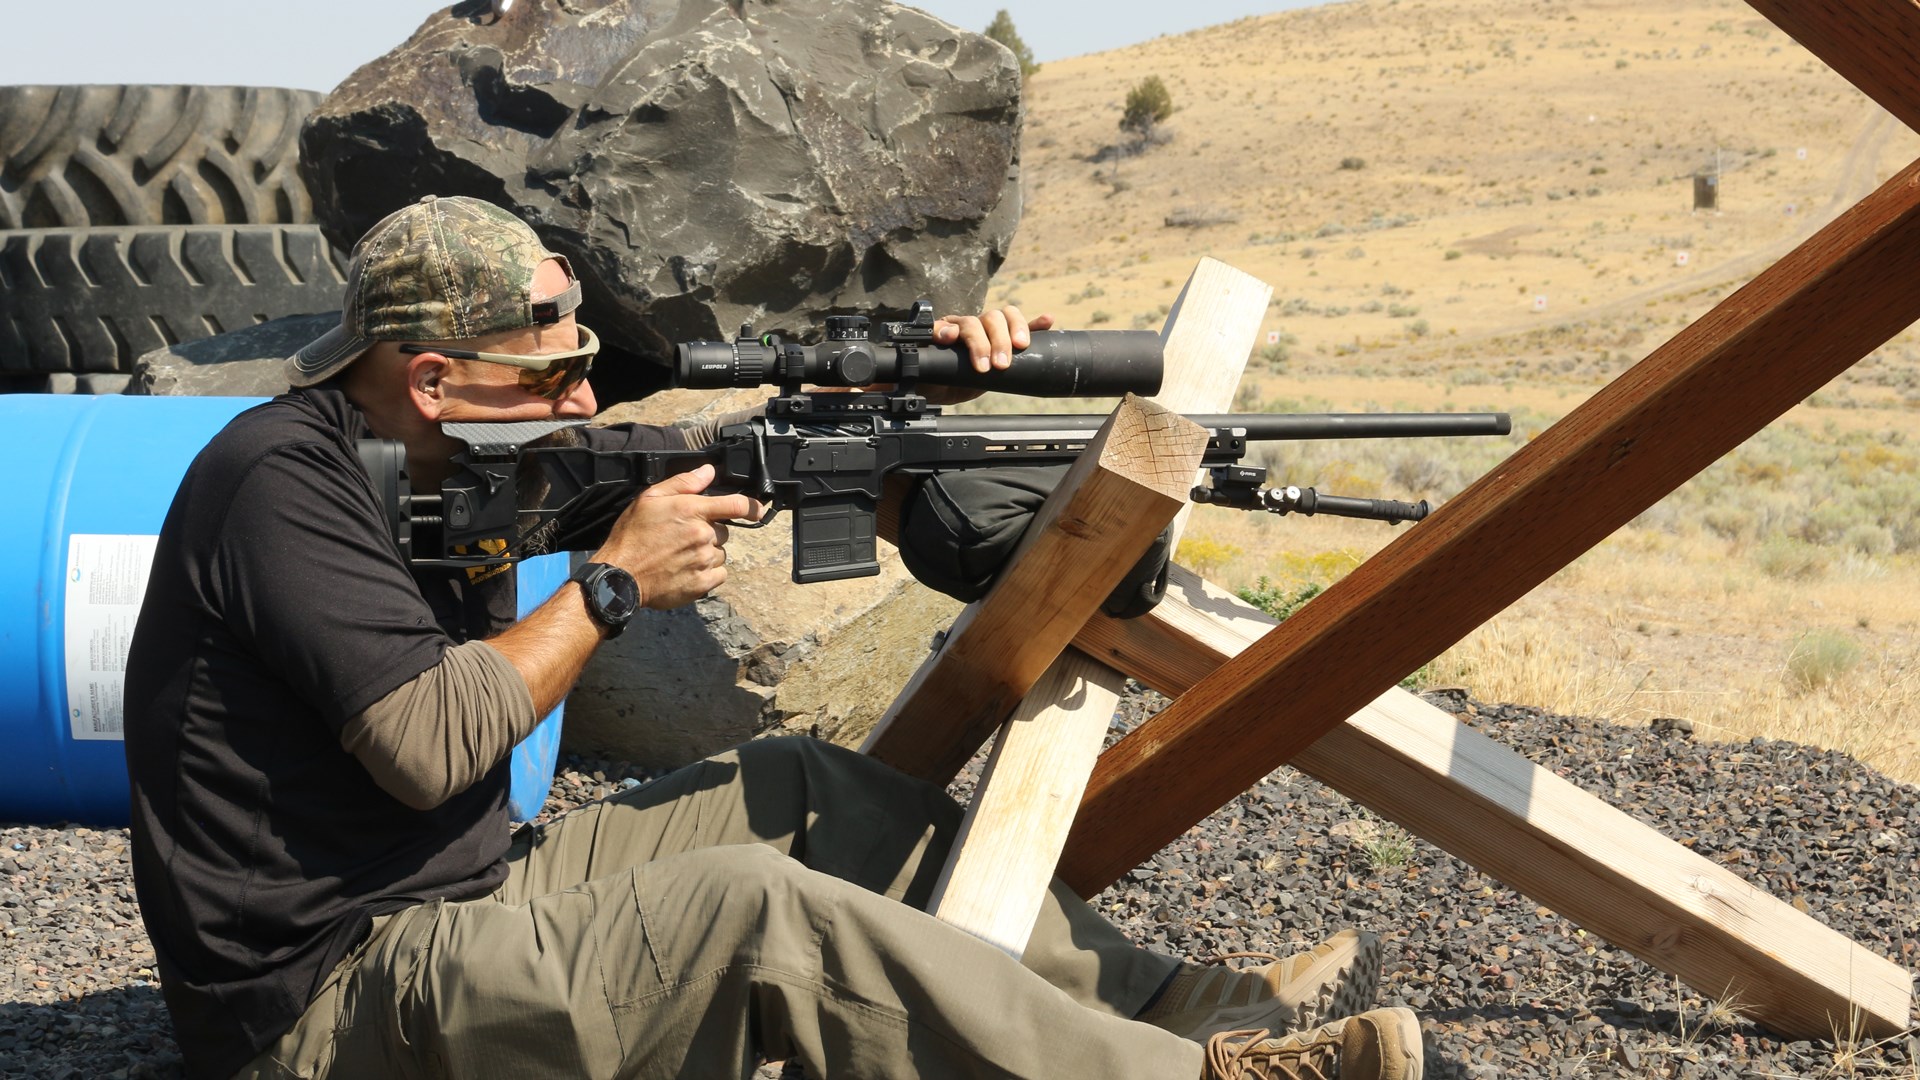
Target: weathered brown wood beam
[
  {"x": 1871, "y": 43},
  {"x": 1678, "y": 911},
  {"x": 1832, "y": 300},
  {"x": 1124, "y": 488}
]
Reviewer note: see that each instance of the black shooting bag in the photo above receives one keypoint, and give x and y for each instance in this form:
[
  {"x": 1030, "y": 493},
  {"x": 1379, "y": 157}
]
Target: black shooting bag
[{"x": 958, "y": 528}]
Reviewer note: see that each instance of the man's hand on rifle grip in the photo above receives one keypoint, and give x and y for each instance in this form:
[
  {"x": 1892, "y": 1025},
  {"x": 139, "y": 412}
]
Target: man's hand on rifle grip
[{"x": 672, "y": 538}]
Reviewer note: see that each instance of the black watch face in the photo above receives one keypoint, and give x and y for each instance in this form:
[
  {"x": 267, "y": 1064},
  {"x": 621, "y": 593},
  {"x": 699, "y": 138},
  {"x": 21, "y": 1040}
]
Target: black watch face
[{"x": 615, "y": 594}]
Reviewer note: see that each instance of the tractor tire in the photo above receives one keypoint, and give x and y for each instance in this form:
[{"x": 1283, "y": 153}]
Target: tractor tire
[
  {"x": 90, "y": 301},
  {"x": 100, "y": 156},
  {"x": 64, "y": 384}
]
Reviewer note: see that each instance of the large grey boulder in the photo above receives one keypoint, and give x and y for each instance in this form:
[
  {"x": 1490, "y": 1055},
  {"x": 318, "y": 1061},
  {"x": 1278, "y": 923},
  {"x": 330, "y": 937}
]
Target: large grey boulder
[
  {"x": 249, "y": 362},
  {"x": 703, "y": 164}
]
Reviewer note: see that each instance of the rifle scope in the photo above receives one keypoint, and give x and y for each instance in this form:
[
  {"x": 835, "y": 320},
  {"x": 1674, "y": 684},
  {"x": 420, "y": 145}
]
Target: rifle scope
[{"x": 1059, "y": 363}]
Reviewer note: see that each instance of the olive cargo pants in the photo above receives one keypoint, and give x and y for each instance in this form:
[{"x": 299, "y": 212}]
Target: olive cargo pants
[{"x": 727, "y": 913}]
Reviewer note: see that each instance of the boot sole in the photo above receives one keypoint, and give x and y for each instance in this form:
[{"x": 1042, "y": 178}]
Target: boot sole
[{"x": 1344, "y": 981}]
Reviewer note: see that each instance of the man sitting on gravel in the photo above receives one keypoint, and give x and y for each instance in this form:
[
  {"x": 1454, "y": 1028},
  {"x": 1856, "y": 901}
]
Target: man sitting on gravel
[{"x": 318, "y": 734}]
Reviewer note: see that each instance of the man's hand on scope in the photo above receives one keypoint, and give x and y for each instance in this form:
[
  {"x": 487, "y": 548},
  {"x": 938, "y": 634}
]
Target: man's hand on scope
[
  {"x": 991, "y": 338},
  {"x": 672, "y": 538}
]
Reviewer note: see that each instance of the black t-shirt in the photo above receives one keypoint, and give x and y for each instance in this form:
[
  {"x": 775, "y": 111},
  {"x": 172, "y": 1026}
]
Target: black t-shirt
[{"x": 278, "y": 608}]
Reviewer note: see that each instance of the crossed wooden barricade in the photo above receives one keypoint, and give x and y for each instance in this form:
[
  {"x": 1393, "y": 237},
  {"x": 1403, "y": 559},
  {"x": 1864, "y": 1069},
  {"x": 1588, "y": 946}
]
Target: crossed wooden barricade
[{"x": 1035, "y": 660}]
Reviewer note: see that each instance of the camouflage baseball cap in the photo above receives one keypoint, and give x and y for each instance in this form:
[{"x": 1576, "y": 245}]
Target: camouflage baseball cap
[{"x": 442, "y": 269}]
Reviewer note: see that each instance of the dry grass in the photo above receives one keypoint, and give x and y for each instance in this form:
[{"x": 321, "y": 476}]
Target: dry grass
[
  {"x": 1868, "y": 714},
  {"x": 1510, "y": 152},
  {"x": 1508, "y": 155},
  {"x": 1649, "y": 625}
]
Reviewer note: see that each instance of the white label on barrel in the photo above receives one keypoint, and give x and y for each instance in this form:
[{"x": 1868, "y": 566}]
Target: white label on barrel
[{"x": 106, "y": 580}]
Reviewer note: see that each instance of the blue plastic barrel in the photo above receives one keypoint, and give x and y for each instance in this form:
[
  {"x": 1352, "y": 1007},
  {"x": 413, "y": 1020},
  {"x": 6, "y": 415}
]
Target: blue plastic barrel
[
  {"x": 533, "y": 759},
  {"x": 92, "y": 480}
]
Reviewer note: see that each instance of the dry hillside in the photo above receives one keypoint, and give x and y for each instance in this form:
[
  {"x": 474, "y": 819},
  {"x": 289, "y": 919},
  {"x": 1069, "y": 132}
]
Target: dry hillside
[{"x": 1477, "y": 204}]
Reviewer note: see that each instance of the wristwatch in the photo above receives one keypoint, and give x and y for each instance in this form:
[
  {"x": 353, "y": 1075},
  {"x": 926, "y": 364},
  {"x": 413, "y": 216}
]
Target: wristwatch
[{"x": 612, "y": 596}]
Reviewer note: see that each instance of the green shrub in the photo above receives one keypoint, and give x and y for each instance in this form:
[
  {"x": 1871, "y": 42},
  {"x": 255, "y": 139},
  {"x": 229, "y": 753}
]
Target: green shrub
[
  {"x": 1148, "y": 104},
  {"x": 1789, "y": 559},
  {"x": 1278, "y": 601},
  {"x": 1390, "y": 850},
  {"x": 1876, "y": 540},
  {"x": 1820, "y": 657},
  {"x": 1001, "y": 30}
]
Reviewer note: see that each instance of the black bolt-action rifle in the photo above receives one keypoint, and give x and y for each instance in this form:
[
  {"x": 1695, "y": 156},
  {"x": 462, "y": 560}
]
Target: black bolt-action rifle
[{"x": 825, "y": 455}]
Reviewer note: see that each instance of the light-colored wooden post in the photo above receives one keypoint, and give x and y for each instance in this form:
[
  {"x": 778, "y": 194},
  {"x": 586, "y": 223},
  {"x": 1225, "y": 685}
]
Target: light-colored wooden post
[{"x": 1009, "y": 843}]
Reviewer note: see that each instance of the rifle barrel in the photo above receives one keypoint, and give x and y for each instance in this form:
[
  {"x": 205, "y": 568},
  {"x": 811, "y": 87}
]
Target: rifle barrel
[{"x": 1263, "y": 427}]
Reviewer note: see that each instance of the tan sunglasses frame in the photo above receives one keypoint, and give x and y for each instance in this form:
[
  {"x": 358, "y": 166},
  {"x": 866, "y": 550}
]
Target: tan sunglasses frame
[{"x": 541, "y": 362}]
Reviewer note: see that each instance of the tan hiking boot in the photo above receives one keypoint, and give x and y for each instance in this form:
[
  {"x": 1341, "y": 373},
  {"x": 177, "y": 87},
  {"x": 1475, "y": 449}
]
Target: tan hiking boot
[
  {"x": 1380, "y": 1045},
  {"x": 1337, "y": 978}
]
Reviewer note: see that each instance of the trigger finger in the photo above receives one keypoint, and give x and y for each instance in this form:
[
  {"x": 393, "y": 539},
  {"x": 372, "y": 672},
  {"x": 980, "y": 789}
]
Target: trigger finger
[{"x": 744, "y": 508}]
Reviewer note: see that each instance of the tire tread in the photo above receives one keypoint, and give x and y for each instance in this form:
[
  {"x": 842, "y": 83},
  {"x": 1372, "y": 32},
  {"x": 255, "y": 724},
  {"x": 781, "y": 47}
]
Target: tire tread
[
  {"x": 105, "y": 156},
  {"x": 91, "y": 301}
]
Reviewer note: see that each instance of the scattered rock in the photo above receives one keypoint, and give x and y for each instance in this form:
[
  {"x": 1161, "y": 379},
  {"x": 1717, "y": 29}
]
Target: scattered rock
[
  {"x": 1355, "y": 830},
  {"x": 1504, "y": 986},
  {"x": 1672, "y": 725}
]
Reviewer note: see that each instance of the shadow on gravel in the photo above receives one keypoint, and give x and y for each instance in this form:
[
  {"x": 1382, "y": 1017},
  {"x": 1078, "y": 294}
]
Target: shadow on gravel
[
  {"x": 116, "y": 1034},
  {"x": 1621, "y": 1039}
]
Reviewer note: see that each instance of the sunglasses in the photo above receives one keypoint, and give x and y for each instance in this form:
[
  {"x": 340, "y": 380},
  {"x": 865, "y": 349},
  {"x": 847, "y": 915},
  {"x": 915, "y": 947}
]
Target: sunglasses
[{"x": 549, "y": 375}]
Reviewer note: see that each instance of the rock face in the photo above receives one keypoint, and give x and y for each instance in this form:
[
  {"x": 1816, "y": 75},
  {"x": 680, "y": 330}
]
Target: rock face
[
  {"x": 703, "y": 164},
  {"x": 761, "y": 652}
]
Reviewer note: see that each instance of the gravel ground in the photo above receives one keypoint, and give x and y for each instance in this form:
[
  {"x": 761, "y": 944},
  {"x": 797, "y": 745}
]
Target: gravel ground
[{"x": 1504, "y": 987}]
